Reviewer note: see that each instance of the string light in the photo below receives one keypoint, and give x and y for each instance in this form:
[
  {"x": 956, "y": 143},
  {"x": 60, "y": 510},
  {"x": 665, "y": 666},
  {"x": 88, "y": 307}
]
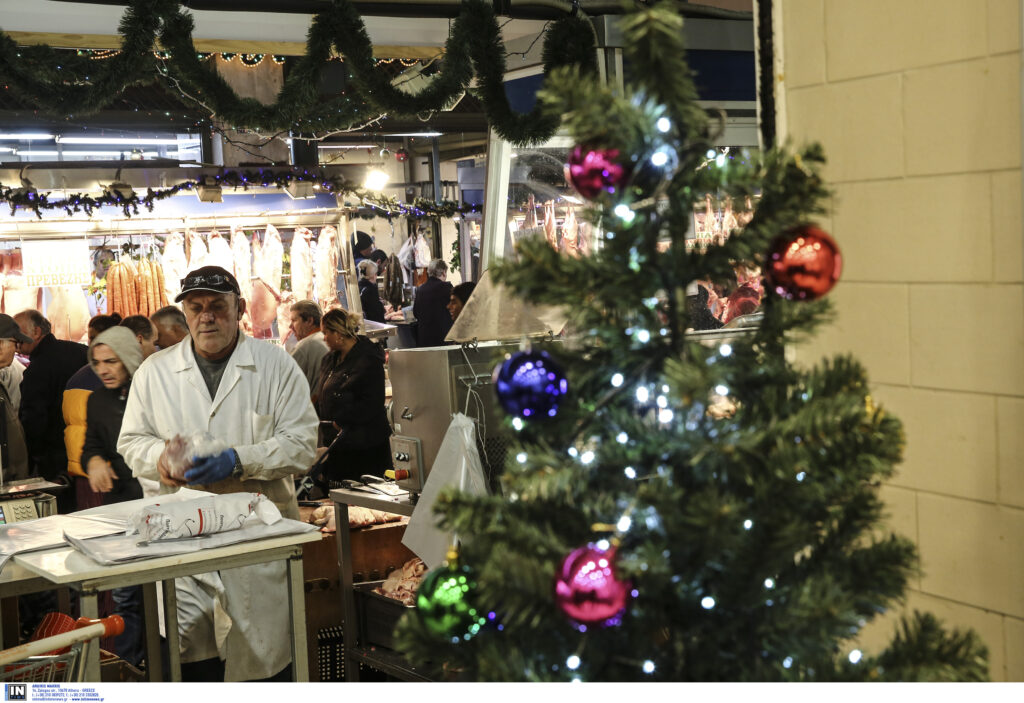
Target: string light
[
  {"x": 521, "y": 457},
  {"x": 855, "y": 656},
  {"x": 747, "y": 524},
  {"x": 517, "y": 424},
  {"x": 787, "y": 662},
  {"x": 622, "y": 438},
  {"x": 648, "y": 666},
  {"x": 769, "y": 583},
  {"x": 630, "y": 472},
  {"x": 725, "y": 350},
  {"x": 587, "y": 457},
  {"x": 642, "y": 394},
  {"x": 617, "y": 380},
  {"x": 573, "y": 662},
  {"x": 707, "y": 602}
]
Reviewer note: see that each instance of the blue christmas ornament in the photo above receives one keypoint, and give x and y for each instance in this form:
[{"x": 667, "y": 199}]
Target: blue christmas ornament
[{"x": 530, "y": 384}]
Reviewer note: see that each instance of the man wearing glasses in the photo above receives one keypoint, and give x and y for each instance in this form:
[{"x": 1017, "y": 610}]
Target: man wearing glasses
[{"x": 253, "y": 396}]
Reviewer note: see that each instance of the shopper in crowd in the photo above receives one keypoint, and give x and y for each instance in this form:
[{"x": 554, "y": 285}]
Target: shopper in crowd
[
  {"x": 74, "y": 403},
  {"x": 369, "y": 295},
  {"x": 144, "y": 331},
  {"x": 362, "y": 247},
  {"x": 349, "y": 400},
  {"x": 310, "y": 349},
  {"x": 115, "y": 355},
  {"x": 252, "y": 396},
  {"x": 430, "y": 307},
  {"x": 460, "y": 294},
  {"x": 52, "y": 362},
  {"x": 170, "y": 324},
  {"x": 13, "y": 450}
]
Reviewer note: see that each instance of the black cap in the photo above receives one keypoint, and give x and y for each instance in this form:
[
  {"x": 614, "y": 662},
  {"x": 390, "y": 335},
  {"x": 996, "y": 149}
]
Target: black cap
[
  {"x": 209, "y": 278},
  {"x": 9, "y": 330},
  {"x": 363, "y": 240}
]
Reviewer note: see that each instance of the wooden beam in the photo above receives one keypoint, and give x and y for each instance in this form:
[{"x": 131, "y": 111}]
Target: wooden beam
[{"x": 227, "y": 46}]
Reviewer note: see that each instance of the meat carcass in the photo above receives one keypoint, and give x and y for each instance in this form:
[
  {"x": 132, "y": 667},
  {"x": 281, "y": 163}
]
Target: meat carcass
[
  {"x": 175, "y": 264},
  {"x": 68, "y": 313},
  {"x": 571, "y": 233},
  {"x": 220, "y": 252},
  {"x": 241, "y": 256},
  {"x": 18, "y": 296},
  {"x": 284, "y": 318},
  {"x": 197, "y": 251},
  {"x": 550, "y": 226},
  {"x": 272, "y": 259},
  {"x": 326, "y": 265},
  {"x": 263, "y": 309},
  {"x": 302, "y": 264},
  {"x": 531, "y": 213}
]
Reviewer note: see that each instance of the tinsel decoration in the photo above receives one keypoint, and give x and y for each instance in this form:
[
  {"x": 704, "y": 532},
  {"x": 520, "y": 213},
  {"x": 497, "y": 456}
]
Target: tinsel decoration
[{"x": 76, "y": 86}]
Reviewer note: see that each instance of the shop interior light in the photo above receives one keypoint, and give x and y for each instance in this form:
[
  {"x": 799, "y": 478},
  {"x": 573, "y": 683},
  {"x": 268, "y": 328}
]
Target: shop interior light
[
  {"x": 300, "y": 190},
  {"x": 376, "y": 180},
  {"x": 36, "y": 152},
  {"x": 27, "y": 137},
  {"x": 414, "y": 134},
  {"x": 209, "y": 192},
  {"x": 127, "y": 141},
  {"x": 347, "y": 146}
]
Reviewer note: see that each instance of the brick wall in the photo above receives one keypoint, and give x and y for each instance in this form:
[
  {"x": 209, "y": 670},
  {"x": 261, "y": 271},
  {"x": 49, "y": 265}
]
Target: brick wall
[{"x": 917, "y": 103}]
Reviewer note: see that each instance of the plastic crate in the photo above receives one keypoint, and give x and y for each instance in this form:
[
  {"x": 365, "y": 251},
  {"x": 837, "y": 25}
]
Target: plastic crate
[{"x": 377, "y": 615}]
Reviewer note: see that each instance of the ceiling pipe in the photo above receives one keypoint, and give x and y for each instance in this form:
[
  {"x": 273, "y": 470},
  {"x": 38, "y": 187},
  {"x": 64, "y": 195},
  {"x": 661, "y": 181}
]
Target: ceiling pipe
[{"x": 516, "y": 9}]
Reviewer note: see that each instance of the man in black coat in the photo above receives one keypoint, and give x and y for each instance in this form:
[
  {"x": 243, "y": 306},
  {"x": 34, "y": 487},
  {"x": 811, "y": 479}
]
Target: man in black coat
[
  {"x": 52, "y": 362},
  {"x": 430, "y": 307}
]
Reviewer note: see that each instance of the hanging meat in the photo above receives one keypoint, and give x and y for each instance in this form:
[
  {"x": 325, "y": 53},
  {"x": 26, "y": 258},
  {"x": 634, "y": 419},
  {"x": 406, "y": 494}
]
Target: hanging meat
[
  {"x": 550, "y": 226},
  {"x": 263, "y": 310},
  {"x": 121, "y": 294},
  {"x": 241, "y": 257},
  {"x": 393, "y": 292},
  {"x": 326, "y": 265},
  {"x": 68, "y": 313},
  {"x": 220, "y": 252},
  {"x": 284, "y": 316},
  {"x": 271, "y": 262},
  {"x": 302, "y": 264},
  {"x": 571, "y": 234},
  {"x": 196, "y": 249},
  {"x": 175, "y": 264},
  {"x": 18, "y": 296},
  {"x": 531, "y": 213}
]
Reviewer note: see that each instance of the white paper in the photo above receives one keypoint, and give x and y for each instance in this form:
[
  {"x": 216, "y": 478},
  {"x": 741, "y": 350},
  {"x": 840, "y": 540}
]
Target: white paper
[{"x": 457, "y": 464}]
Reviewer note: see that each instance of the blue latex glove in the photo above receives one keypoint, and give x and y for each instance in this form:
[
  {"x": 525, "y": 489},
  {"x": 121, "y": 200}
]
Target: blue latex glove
[{"x": 211, "y": 469}]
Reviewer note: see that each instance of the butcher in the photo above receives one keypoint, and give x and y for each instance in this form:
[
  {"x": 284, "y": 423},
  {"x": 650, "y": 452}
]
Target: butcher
[{"x": 253, "y": 396}]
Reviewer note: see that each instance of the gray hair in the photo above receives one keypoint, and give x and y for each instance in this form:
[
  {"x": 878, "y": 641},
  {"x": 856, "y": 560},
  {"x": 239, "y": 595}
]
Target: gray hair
[
  {"x": 37, "y": 320},
  {"x": 169, "y": 316},
  {"x": 308, "y": 310},
  {"x": 437, "y": 268},
  {"x": 367, "y": 268}
]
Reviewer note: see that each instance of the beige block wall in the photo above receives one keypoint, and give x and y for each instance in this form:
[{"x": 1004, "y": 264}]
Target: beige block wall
[{"x": 917, "y": 103}]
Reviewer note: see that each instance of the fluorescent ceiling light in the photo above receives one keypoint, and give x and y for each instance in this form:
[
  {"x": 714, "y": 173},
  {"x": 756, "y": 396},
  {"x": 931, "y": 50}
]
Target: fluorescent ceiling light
[
  {"x": 6, "y": 150},
  {"x": 131, "y": 141},
  {"x": 108, "y": 152},
  {"x": 35, "y": 152},
  {"x": 27, "y": 137},
  {"x": 348, "y": 146},
  {"x": 414, "y": 134}
]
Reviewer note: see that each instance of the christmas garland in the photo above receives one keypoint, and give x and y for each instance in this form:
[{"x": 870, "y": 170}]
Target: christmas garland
[
  {"x": 371, "y": 205},
  {"x": 74, "y": 85}
]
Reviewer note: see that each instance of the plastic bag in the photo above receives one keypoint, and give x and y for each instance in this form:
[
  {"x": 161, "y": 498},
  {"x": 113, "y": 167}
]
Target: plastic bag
[
  {"x": 201, "y": 516},
  {"x": 182, "y": 450}
]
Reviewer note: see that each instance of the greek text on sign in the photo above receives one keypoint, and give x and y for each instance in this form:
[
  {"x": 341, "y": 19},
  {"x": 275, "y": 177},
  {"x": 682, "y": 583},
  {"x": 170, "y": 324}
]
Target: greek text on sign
[{"x": 56, "y": 262}]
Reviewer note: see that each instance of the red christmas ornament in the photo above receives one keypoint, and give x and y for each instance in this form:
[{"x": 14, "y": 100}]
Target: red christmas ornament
[
  {"x": 594, "y": 171},
  {"x": 586, "y": 588},
  {"x": 401, "y": 155},
  {"x": 803, "y": 263}
]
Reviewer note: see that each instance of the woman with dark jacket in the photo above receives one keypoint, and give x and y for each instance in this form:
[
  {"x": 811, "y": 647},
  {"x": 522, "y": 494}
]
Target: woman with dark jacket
[
  {"x": 369, "y": 296},
  {"x": 349, "y": 399}
]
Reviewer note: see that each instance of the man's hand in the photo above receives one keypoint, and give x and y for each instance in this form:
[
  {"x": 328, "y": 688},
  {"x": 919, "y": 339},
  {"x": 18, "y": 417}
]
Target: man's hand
[
  {"x": 101, "y": 475},
  {"x": 165, "y": 470},
  {"x": 211, "y": 469}
]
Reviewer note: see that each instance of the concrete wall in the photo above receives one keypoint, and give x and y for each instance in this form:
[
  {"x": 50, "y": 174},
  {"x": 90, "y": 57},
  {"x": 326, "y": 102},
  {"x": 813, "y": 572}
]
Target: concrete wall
[{"x": 917, "y": 103}]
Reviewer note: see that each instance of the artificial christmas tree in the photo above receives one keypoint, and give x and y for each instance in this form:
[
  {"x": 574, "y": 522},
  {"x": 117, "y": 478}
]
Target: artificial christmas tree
[{"x": 692, "y": 511}]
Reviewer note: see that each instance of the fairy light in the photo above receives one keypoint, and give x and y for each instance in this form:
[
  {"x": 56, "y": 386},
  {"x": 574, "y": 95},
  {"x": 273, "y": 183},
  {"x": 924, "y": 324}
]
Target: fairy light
[
  {"x": 663, "y": 124},
  {"x": 648, "y": 666},
  {"x": 711, "y": 153},
  {"x": 622, "y": 438},
  {"x": 587, "y": 457},
  {"x": 617, "y": 380},
  {"x": 642, "y": 394},
  {"x": 624, "y": 212},
  {"x": 665, "y": 415},
  {"x": 517, "y": 424},
  {"x": 787, "y": 662},
  {"x": 769, "y": 583},
  {"x": 747, "y": 524},
  {"x": 521, "y": 457},
  {"x": 630, "y": 472},
  {"x": 707, "y": 602},
  {"x": 801, "y": 476},
  {"x": 661, "y": 401},
  {"x": 725, "y": 350},
  {"x": 643, "y": 336},
  {"x": 721, "y": 390},
  {"x": 855, "y": 656},
  {"x": 573, "y": 662},
  {"x": 573, "y": 453},
  {"x": 603, "y": 544},
  {"x": 623, "y": 524}
]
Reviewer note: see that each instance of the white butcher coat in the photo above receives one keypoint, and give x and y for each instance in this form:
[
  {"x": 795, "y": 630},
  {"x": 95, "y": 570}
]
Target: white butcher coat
[{"x": 262, "y": 410}]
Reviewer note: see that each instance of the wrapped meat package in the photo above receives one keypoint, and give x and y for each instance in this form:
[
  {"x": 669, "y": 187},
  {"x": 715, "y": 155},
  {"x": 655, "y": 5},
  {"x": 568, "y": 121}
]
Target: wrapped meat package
[
  {"x": 201, "y": 516},
  {"x": 182, "y": 450}
]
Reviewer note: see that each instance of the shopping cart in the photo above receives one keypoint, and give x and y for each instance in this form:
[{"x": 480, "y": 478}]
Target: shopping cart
[{"x": 30, "y": 661}]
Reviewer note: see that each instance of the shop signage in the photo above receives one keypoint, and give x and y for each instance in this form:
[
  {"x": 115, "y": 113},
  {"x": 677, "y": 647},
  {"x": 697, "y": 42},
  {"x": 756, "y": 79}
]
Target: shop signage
[{"x": 56, "y": 262}]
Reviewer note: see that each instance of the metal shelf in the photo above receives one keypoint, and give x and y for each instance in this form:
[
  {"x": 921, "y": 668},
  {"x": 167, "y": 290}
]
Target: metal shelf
[{"x": 386, "y": 660}]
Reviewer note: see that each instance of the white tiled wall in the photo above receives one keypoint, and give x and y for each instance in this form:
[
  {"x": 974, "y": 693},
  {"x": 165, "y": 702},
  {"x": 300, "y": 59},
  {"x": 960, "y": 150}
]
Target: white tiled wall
[{"x": 917, "y": 103}]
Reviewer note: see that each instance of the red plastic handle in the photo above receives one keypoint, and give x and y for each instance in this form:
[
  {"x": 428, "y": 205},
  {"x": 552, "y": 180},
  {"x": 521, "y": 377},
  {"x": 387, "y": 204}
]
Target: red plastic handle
[{"x": 113, "y": 625}]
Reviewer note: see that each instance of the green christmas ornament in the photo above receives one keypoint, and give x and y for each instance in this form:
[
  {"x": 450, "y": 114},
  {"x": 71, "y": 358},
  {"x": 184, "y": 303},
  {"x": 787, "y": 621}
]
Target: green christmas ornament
[{"x": 444, "y": 603}]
